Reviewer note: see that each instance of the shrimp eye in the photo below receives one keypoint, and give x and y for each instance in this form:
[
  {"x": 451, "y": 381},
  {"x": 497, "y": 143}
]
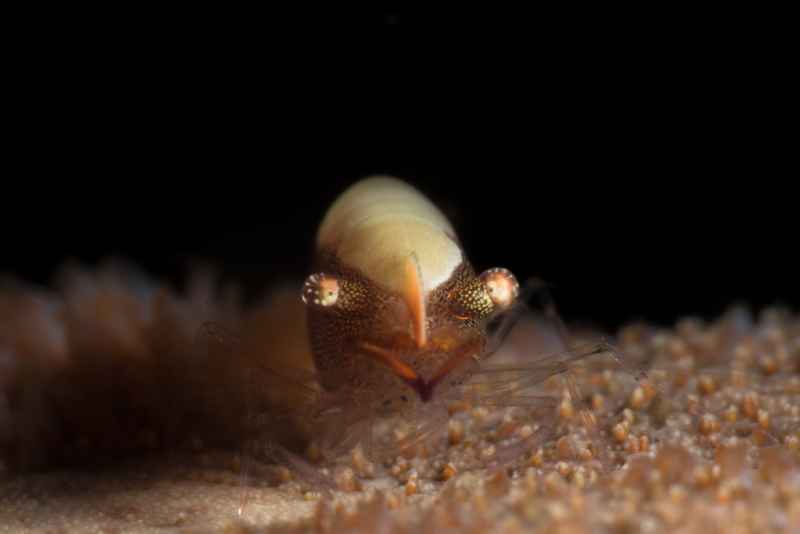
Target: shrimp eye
[
  {"x": 501, "y": 285},
  {"x": 321, "y": 290},
  {"x": 494, "y": 290},
  {"x": 331, "y": 292}
]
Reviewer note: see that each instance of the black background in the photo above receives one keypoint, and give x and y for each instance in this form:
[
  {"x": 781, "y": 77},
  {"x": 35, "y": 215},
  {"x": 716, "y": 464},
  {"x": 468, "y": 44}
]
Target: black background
[{"x": 641, "y": 162}]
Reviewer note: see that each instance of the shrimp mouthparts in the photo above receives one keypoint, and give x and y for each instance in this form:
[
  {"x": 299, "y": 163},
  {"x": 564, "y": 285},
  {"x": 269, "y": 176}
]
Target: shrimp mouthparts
[{"x": 424, "y": 387}]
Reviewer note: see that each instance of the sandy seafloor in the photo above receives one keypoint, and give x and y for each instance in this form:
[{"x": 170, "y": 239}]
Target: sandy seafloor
[{"x": 708, "y": 441}]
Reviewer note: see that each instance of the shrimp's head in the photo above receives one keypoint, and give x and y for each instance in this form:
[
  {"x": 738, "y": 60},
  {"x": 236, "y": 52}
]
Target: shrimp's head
[{"x": 395, "y": 309}]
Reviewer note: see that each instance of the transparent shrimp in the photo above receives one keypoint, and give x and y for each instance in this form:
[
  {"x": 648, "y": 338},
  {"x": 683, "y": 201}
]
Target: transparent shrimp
[{"x": 332, "y": 423}]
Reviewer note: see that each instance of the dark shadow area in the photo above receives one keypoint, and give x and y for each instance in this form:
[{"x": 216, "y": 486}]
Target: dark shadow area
[{"x": 641, "y": 175}]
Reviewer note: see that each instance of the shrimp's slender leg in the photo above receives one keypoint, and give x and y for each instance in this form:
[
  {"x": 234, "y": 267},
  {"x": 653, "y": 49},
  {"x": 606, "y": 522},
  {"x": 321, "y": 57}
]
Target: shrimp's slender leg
[
  {"x": 511, "y": 384},
  {"x": 547, "y": 303},
  {"x": 541, "y": 290}
]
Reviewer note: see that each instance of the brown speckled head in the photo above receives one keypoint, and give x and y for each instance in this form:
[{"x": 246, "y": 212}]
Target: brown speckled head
[{"x": 394, "y": 307}]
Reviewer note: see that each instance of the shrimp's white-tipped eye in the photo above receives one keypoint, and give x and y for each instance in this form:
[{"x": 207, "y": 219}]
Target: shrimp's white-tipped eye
[
  {"x": 330, "y": 292},
  {"x": 501, "y": 285},
  {"x": 321, "y": 289}
]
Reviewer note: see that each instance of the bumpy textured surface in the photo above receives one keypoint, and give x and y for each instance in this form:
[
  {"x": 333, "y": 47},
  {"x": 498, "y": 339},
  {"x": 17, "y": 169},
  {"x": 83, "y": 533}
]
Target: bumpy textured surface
[{"x": 121, "y": 410}]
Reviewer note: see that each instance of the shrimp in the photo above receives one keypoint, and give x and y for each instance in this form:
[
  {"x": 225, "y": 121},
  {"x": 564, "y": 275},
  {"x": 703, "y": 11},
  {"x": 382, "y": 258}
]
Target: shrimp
[
  {"x": 395, "y": 305},
  {"x": 400, "y": 326},
  {"x": 400, "y": 323}
]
